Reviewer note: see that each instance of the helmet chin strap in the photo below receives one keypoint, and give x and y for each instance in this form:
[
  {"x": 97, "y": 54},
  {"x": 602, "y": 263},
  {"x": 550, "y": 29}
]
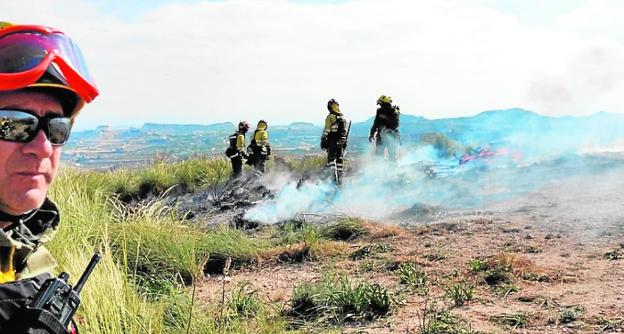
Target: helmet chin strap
[{"x": 14, "y": 220}]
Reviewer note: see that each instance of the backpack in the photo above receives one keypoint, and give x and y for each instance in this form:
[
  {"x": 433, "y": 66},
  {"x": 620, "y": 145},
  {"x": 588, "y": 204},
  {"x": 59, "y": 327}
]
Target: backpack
[
  {"x": 388, "y": 117},
  {"x": 231, "y": 150}
]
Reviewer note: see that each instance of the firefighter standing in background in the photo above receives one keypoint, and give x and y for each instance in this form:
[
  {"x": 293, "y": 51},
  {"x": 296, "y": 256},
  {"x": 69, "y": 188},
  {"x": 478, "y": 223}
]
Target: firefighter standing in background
[
  {"x": 385, "y": 128},
  {"x": 334, "y": 140},
  {"x": 260, "y": 149},
  {"x": 236, "y": 150}
]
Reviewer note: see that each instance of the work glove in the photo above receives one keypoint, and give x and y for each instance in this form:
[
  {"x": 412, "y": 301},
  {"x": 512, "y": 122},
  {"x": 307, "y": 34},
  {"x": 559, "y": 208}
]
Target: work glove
[{"x": 323, "y": 143}]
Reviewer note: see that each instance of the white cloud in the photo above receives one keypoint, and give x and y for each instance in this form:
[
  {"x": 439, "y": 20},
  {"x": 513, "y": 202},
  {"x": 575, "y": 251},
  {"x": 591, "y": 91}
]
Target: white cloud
[{"x": 217, "y": 61}]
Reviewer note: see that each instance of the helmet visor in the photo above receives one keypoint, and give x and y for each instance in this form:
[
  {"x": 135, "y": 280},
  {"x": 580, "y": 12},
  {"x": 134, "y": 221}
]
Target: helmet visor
[{"x": 26, "y": 54}]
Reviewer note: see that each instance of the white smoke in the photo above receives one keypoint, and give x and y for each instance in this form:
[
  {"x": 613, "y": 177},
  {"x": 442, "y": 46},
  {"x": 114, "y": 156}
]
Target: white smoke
[{"x": 378, "y": 189}]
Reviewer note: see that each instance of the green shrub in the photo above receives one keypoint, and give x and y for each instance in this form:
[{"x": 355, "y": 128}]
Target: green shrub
[
  {"x": 243, "y": 302},
  {"x": 413, "y": 277},
  {"x": 460, "y": 293},
  {"x": 306, "y": 164},
  {"x": 476, "y": 265},
  {"x": 339, "y": 300},
  {"x": 306, "y": 301}
]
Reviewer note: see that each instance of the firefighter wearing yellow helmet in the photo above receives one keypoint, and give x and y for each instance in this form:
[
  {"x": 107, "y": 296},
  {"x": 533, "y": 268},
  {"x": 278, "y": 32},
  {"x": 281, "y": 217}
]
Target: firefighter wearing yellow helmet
[
  {"x": 385, "y": 129},
  {"x": 260, "y": 149},
  {"x": 334, "y": 140}
]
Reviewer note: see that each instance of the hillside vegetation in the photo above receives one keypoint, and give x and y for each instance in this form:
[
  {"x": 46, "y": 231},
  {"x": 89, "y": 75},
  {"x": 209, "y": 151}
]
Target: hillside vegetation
[
  {"x": 151, "y": 261},
  {"x": 510, "y": 271}
]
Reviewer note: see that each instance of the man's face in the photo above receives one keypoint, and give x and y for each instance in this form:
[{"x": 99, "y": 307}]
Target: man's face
[{"x": 27, "y": 169}]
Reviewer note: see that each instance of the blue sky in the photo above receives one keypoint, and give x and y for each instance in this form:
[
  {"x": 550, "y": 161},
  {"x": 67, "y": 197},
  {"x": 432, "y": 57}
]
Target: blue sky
[
  {"x": 528, "y": 11},
  {"x": 132, "y": 9},
  {"x": 538, "y": 12},
  {"x": 212, "y": 61}
]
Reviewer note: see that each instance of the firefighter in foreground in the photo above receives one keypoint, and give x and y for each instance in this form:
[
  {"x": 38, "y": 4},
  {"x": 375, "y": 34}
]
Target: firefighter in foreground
[
  {"x": 236, "y": 150},
  {"x": 385, "y": 129},
  {"x": 43, "y": 86},
  {"x": 334, "y": 140},
  {"x": 260, "y": 149}
]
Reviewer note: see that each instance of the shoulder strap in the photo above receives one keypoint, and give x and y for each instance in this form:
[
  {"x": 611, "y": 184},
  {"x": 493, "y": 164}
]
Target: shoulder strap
[
  {"x": 339, "y": 117},
  {"x": 253, "y": 139}
]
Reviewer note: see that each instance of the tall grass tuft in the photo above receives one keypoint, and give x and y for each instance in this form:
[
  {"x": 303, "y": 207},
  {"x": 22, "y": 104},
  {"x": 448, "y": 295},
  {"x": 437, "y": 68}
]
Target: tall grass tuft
[
  {"x": 147, "y": 257},
  {"x": 183, "y": 176},
  {"x": 336, "y": 300}
]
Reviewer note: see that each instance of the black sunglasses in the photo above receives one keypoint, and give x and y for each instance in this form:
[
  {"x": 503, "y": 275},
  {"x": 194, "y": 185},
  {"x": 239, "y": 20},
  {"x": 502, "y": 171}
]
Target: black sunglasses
[{"x": 22, "y": 127}]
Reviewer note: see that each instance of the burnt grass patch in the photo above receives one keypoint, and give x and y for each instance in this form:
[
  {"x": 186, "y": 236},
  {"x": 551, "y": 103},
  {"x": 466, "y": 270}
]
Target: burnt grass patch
[
  {"x": 344, "y": 230},
  {"x": 240, "y": 222},
  {"x": 296, "y": 254},
  {"x": 614, "y": 254},
  {"x": 216, "y": 263}
]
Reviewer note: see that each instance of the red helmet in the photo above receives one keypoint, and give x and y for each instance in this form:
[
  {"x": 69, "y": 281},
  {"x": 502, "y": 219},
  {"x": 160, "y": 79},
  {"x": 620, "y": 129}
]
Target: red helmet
[
  {"x": 45, "y": 59},
  {"x": 243, "y": 126}
]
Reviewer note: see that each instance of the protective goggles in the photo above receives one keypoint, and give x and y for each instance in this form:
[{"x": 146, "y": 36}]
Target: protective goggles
[
  {"x": 27, "y": 51},
  {"x": 21, "y": 127}
]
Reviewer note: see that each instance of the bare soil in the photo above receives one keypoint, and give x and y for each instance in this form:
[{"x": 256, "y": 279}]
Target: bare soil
[{"x": 558, "y": 239}]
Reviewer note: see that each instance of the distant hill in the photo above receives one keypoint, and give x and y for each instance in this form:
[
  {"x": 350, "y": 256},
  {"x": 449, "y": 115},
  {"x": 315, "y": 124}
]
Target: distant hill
[
  {"x": 506, "y": 124},
  {"x": 488, "y": 125},
  {"x": 185, "y": 128},
  {"x": 521, "y": 128}
]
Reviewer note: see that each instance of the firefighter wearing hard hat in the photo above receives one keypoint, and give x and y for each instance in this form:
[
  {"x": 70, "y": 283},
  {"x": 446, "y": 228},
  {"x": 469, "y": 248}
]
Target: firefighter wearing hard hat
[
  {"x": 260, "y": 149},
  {"x": 334, "y": 140},
  {"x": 385, "y": 129},
  {"x": 236, "y": 150},
  {"x": 44, "y": 83}
]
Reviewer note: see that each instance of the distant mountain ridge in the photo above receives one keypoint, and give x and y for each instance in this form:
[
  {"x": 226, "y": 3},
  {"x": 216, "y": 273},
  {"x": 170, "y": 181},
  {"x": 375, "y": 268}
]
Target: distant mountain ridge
[
  {"x": 525, "y": 129},
  {"x": 493, "y": 121},
  {"x": 187, "y": 127}
]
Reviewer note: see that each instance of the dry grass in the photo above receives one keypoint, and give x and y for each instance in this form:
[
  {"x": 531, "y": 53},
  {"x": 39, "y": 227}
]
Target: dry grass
[
  {"x": 378, "y": 231},
  {"x": 518, "y": 265},
  {"x": 301, "y": 252}
]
